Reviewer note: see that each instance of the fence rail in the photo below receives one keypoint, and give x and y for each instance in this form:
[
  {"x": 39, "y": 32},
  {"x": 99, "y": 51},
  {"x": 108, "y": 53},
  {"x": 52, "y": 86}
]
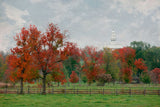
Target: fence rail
[{"x": 103, "y": 91}]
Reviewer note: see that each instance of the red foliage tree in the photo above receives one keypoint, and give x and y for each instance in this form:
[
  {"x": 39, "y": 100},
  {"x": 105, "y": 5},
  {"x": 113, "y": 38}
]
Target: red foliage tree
[
  {"x": 127, "y": 74},
  {"x": 49, "y": 49},
  {"x": 73, "y": 77},
  {"x": 155, "y": 75},
  {"x": 126, "y": 55},
  {"x": 57, "y": 74},
  {"x": 140, "y": 67},
  {"x": 20, "y": 60},
  {"x": 139, "y": 63},
  {"x": 92, "y": 63}
]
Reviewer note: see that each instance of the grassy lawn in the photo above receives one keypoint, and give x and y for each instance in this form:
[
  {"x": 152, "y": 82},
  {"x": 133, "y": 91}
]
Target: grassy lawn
[
  {"x": 61, "y": 100},
  {"x": 94, "y": 86},
  {"x": 111, "y": 86}
]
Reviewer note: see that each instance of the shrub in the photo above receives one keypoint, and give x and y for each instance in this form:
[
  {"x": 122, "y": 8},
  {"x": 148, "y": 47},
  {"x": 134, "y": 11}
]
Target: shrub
[
  {"x": 103, "y": 78},
  {"x": 145, "y": 78},
  {"x": 155, "y": 75},
  {"x": 73, "y": 77}
]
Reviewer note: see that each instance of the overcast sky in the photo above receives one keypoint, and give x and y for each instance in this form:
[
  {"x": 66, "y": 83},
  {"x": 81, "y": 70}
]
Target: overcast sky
[{"x": 89, "y": 22}]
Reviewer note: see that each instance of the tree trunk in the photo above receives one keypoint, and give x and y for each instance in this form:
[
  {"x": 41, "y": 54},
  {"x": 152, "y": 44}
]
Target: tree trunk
[
  {"x": 58, "y": 84},
  {"x": 79, "y": 79},
  {"x": 21, "y": 85},
  {"x": 89, "y": 83},
  {"x": 44, "y": 84},
  {"x": 113, "y": 82}
]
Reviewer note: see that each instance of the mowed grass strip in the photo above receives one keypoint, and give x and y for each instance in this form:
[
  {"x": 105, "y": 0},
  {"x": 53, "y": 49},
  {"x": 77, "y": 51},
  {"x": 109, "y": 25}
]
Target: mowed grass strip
[{"x": 70, "y": 100}]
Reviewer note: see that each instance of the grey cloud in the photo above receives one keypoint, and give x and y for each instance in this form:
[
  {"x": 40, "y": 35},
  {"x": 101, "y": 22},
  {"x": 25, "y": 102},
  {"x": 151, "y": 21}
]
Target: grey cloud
[{"x": 89, "y": 22}]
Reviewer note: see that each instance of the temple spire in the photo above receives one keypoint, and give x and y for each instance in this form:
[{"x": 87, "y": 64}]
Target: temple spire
[
  {"x": 114, "y": 43},
  {"x": 113, "y": 37}
]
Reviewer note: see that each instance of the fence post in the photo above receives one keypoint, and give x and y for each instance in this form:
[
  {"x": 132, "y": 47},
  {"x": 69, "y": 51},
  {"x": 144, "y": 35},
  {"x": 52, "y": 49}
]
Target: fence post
[
  {"x": 28, "y": 89},
  {"x": 116, "y": 92},
  {"x": 90, "y": 91},
  {"x": 65, "y": 91},
  {"x": 40, "y": 90},
  {"x": 130, "y": 92},
  {"x": 103, "y": 91},
  {"x": 144, "y": 91},
  {"x": 52, "y": 90},
  {"x": 6, "y": 89},
  {"x": 17, "y": 90},
  {"x": 77, "y": 91}
]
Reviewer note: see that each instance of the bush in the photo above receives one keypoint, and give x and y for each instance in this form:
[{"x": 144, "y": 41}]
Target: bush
[
  {"x": 103, "y": 78},
  {"x": 155, "y": 75},
  {"x": 145, "y": 78},
  {"x": 84, "y": 79},
  {"x": 73, "y": 77}
]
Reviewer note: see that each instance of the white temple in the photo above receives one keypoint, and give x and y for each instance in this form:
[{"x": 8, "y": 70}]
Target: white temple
[{"x": 113, "y": 43}]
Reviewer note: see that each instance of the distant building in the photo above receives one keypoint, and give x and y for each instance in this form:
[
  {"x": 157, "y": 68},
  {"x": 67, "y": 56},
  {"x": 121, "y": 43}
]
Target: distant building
[{"x": 113, "y": 43}]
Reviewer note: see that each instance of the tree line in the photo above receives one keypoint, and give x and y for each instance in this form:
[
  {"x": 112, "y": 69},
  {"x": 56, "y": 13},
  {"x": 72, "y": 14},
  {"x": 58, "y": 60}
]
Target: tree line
[{"x": 49, "y": 56}]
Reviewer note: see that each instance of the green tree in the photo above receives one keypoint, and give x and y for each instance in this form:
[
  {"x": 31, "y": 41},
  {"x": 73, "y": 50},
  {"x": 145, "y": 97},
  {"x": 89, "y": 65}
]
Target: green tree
[
  {"x": 152, "y": 57},
  {"x": 145, "y": 78},
  {"x": 1, "y": 67},
  {"x": 140, "y": 48},
  {"x": 111, "y": 64},
  {"x": 70, "y": 65}
]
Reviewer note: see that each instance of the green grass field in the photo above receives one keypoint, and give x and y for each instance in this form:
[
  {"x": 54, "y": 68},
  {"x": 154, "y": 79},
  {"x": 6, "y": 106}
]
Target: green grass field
[
  {"x": 94, "y": 86},
  {"x": 111, "y": 86},
  {"x": 61, "y": 100}
]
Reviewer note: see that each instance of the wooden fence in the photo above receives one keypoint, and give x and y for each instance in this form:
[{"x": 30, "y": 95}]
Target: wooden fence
[{"x": 103, "y": 91}]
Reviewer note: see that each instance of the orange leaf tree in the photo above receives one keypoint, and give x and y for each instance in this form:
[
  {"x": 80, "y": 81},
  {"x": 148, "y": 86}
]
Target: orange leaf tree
[
  {"x": 92, "y": 63},
  {"x": 155, "y": 75},
  {"x": 20, "y": 60},
  {"x": 73, "y": 77},
  {"x": 126, "y": 55},
  {"x": 140, "y": 68},
  {"x": 49, "y": 49},
  {"x": 57, "y": 74},
  {"x": 73, "y": 63},
  {"x": 139, "y": 63}
]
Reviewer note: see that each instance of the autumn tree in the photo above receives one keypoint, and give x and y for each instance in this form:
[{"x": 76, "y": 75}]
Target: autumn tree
[
  {"x": 127, "y": 74},
  {"x": 140, "y": 67},
  {"x": 111, "y": 64},
  {"x": 127, "y": 56},
  {"x": 73, "y": 77},
  {"x": 57, "y": 74},
  {"x": 93, "y": 61},
  {"x": 139, "y": 63},
  {"x": 150, "y": 54},
  {"x": 73, "y": 64},
  {"x": 155, "y": 75},
  {"x": 20, "y": 61},
  {"x": 49, "y": 49}
]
